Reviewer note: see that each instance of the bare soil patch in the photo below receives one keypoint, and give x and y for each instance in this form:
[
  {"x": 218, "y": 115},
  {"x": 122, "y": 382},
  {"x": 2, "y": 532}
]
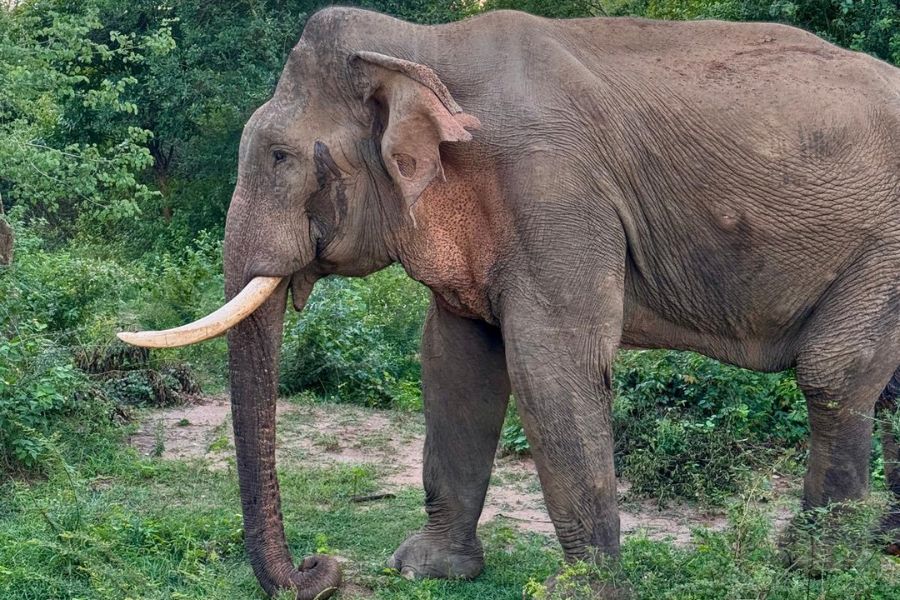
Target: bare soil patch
[{"x": 391, "y": 442}]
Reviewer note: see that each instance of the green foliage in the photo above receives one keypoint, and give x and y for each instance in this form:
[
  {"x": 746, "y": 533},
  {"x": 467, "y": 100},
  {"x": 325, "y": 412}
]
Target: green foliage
[
  {"x": 59, "y": 369},
  {"x": 71, "y": 293},
  {"x": 423, "y": 11},
  {"x": 49, "y": 87},
  {"x": 743, "y": 561},
  {"x": 562, "y": 9},
  {"x": 38, "y": 385},
  {"x": 512, "y": 436},
  {"x": 357, "y": 340},
  {"x": 689, "y": 427},
  {"x": 135, "y": 527}
]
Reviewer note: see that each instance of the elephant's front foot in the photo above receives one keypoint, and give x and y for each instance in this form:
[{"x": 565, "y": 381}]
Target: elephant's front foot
[{"x": 427, "y": 554}]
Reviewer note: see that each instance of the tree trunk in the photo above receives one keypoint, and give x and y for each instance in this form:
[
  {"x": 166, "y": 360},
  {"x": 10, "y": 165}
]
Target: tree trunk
[{"x": 6, "y": 243}]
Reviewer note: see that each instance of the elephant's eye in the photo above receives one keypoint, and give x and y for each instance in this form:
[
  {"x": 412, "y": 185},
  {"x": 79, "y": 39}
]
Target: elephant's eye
[{"x": 279, "y": 156}]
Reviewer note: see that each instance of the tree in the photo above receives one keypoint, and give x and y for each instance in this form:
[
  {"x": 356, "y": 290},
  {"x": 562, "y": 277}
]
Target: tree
[{"x": 50, "y": 82}]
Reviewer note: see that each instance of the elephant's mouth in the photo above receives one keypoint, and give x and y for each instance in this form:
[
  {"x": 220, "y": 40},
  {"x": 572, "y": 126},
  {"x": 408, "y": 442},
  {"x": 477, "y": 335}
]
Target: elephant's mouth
[
  {"x": 301, "y": 287},
  {"x": 218, "y": 322}
]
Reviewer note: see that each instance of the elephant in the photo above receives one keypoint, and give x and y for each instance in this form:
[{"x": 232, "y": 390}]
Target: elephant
[{"x": 566, "y": 188}]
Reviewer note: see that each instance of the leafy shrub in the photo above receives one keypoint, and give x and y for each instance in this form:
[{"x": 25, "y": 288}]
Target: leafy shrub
[
  {"x": 62, "y": 157},
  {"x": 38, "y": 383},
  {"x": 834, "y": 561},
  {"x": 127, "y": 376},
  {"x": 691, "y": 427},
  {"x": 70, "y": 293},
  {"x": 60, "y": 371},
  {"x": 179, "y": 287},
  {"x": 357, "y": 340},
  {"x": 512, "y": 436}
]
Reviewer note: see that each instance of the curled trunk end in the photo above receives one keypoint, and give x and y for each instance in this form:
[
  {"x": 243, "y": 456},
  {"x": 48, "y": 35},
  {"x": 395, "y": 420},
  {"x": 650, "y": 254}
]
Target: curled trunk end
[{"x": 254, "y": 347}]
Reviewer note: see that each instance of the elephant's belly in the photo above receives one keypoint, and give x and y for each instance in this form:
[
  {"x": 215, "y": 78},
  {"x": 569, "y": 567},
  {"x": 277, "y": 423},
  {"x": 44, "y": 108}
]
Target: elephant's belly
[{"x": 645, "y": 329}]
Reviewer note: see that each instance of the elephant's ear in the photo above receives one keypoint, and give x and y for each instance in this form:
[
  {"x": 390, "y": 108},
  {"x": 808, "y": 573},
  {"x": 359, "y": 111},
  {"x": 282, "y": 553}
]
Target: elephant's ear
[{"x": 421, "y": 115}]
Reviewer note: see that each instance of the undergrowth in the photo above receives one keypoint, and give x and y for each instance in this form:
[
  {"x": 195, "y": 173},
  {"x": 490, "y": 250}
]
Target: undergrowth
[
  {"x": 117, "y": 526},
  {"x": 689, "y": 427}
]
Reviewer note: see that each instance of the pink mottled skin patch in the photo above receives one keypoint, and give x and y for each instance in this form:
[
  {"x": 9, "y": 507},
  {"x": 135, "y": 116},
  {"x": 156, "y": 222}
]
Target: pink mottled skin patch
[{"x": 461, "y": 228}]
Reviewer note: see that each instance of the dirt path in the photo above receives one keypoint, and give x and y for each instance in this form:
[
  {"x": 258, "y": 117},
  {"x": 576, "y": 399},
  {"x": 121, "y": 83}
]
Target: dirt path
[{"x": 391, "y": 442}]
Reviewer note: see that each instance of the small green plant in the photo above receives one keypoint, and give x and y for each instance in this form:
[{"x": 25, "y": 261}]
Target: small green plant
[
  {"x": 38, "y": 386},
  {"x": 690, "y": 427},
  {"x": 219, "y": 444},
  {"x": 357, "y": 340},
  {"x": 328, "y": 442},
  {"x": 159, "y": 438},
  {"x": 512, "y": 436},
  {"x": 321, "y": 544}
]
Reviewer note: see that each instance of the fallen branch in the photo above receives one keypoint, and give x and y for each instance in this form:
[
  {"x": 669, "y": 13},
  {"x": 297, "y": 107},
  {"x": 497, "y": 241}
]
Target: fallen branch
[
  {"x": 511, "y": 518},
  {"x": 371, "y": 497}
]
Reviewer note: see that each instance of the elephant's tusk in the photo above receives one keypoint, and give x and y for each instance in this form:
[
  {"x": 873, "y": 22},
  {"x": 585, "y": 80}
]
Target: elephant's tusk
[{"x": 241, "y": 306}]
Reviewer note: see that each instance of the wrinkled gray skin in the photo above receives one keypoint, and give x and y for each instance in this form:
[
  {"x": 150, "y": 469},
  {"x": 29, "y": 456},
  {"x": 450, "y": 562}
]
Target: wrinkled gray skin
[{"x": 732, "y": 189}]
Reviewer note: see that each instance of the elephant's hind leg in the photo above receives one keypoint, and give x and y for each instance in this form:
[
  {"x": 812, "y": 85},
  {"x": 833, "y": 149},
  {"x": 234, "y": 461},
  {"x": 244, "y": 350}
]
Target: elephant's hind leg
[
  {"x": 466, "y": 390},
  {"x": 849, "y": 353}
]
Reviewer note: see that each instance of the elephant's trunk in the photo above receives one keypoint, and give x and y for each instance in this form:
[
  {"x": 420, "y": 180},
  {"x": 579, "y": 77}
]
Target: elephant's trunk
[{"x": 254, "y": 346}]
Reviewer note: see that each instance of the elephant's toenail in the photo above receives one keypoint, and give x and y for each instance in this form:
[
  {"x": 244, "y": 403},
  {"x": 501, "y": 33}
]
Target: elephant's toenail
[{"x": 408, "y": 573}]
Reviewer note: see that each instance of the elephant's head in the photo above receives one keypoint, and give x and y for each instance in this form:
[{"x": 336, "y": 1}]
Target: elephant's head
[{"x": 329, "y": 172}]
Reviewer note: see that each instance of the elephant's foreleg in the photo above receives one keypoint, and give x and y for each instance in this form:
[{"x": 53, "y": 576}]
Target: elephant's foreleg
[
  {"x": 465, "y": 389},
  {"x": 560, "y": 356}
]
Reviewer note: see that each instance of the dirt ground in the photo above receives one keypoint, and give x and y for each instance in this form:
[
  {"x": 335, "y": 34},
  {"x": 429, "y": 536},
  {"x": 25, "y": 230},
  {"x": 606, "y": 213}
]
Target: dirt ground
[{"x": 391, "y": 442}]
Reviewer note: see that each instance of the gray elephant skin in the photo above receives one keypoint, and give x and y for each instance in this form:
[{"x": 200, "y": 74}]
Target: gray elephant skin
[{"x": 567, "y": 188}]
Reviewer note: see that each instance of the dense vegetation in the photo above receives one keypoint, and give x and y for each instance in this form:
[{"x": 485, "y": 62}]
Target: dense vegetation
[{"x": 119, "y": 125}]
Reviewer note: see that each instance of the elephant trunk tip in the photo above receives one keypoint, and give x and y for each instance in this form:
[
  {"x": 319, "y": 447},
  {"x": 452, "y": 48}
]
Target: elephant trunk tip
[{"x": 317, "y": 577}]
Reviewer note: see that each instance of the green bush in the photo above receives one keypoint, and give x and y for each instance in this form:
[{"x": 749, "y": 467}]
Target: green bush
[
  {"x": 687, "y": 426},
  {"x": 61, "y": 370},
  {"x": 38, "y": 383},
  {"x": 357, "y": 340},
  {"x": 181, "y": 286},
  {"x": 72, "y": 293},
  {"x": 836, "y": 561}
]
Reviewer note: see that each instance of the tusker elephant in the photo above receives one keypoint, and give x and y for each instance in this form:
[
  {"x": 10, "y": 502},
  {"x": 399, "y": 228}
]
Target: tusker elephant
[{"x": 565, "y": 188}]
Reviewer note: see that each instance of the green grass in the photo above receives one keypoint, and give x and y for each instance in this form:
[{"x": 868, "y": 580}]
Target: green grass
[
  {"x": 121, "y": 526},
  {"x": 152, "y": 528}
]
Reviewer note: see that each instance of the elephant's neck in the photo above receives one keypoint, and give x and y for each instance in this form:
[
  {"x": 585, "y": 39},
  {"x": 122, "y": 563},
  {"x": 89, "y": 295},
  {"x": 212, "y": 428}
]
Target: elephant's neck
[{"x": 460, "y": 229}]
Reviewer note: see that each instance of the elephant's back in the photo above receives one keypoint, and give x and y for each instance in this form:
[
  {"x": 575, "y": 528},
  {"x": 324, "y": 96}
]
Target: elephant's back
[{"x": 756, "y": 67}]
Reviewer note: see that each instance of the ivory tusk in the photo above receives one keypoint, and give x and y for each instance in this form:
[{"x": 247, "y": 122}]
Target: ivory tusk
[{"x": 241, "y": 306}]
